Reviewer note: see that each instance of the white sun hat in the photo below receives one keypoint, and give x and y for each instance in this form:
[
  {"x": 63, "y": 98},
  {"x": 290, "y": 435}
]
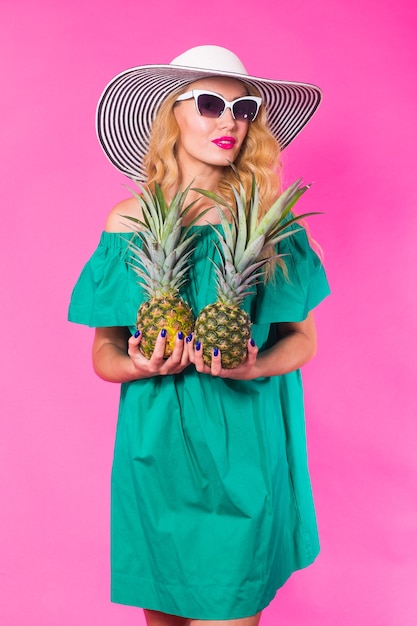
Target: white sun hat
[{"x": 129, "y": 103}]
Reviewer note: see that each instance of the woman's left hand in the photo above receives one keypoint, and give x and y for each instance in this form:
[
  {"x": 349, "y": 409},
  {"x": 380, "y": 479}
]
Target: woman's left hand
[
  {"x": 296, "y": 345},
  {"x": 245, "y": 371}
]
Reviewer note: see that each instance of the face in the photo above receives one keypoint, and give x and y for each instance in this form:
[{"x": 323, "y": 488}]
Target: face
[{"x": 205, "y": 141}]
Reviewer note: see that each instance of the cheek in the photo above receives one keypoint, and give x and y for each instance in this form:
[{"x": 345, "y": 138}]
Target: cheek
[
  {"x": 193, "y": 127},
  {"x": 195, "y": 134},
  {"x": 204, "y": 125},
  {"x": 243, "y": 131}
]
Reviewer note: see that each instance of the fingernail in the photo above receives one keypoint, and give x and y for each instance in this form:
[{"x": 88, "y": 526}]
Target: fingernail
[
  {"x": 180, "y": 335},
  {"x": 163, "y": 333},
  {"x": 252, "y": 342},
  {"x": 137, "y": 333},
  {"x": 188, "y": 338},
  {"x": 216, "y": 352},
  {"x": 198, "y": 345}
]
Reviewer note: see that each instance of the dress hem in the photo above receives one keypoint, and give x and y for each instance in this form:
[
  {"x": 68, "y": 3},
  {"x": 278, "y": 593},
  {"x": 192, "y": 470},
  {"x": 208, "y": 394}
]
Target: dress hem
[{"x": 167, "y": 604}]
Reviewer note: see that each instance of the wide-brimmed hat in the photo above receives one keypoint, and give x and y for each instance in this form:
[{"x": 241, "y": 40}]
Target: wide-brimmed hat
[{"x": 129, "y": 103}]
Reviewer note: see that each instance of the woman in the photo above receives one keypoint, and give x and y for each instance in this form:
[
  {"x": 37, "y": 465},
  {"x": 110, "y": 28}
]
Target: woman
[{"x": 211, "y": 501}]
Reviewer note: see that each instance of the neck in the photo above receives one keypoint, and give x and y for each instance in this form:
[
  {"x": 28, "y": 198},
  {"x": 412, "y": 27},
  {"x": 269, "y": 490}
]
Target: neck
[
  {"x": 204, "y": 178},
  {"x": 203, "y": 211}
]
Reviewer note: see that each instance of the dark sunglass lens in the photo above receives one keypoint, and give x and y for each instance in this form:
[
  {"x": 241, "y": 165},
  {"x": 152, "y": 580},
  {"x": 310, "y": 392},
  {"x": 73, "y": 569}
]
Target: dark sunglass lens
[
  {"x": 245, "y": 110},
  {"x": 209, "y": 105}
]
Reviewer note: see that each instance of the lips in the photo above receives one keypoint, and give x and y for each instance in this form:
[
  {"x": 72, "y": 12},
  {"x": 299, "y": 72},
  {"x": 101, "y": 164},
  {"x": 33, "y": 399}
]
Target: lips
[{"x": 226, "y": 143}]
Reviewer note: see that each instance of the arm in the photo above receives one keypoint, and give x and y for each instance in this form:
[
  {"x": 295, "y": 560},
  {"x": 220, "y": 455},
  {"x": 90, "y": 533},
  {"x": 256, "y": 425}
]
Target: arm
[
  {"x": 297, "y": 344},
  {"x": 117, "y": 359}
]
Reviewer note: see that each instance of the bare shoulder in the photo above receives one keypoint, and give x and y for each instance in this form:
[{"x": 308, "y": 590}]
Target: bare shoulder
[{"x": 116, "y": 222}]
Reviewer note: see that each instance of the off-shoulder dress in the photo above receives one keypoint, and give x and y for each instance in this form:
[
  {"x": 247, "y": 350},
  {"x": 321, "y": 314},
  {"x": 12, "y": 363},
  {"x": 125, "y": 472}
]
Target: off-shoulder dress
[{"x": 211, "y": 507}]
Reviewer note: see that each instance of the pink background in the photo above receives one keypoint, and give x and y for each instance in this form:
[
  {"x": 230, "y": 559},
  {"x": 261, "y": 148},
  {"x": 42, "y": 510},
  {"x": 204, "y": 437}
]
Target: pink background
[{"x": 58, "y": 419}]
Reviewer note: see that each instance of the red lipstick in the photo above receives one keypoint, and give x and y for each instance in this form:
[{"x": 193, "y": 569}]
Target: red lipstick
[{"x": 226, "y": 143}]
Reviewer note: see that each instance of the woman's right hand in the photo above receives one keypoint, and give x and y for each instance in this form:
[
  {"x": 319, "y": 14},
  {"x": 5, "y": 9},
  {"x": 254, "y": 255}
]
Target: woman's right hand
[
  {"x": 157, "y": 365},
  {"x": 117, "y": 358}
]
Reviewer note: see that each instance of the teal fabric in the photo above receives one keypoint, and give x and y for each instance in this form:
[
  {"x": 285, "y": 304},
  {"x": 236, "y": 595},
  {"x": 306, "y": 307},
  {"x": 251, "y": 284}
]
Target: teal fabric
[{"x": 212, "y": 507}]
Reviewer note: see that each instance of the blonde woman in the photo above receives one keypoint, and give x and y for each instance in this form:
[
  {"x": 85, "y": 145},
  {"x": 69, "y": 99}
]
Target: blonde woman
[{"x": 211, "y": 501}]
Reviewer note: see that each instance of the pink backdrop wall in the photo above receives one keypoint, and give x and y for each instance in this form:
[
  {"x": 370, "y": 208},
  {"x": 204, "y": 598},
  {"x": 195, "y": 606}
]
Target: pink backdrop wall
[{"x": 58, "y": 419}]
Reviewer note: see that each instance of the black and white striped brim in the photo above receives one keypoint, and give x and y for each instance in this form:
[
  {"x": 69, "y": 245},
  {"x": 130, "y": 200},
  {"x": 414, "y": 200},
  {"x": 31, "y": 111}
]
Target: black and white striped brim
[{"x": 129, "y": 103}]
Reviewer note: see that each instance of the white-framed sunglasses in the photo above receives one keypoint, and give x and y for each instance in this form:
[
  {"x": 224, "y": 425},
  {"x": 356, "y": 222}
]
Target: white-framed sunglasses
[{"x": 210, "y": 104}]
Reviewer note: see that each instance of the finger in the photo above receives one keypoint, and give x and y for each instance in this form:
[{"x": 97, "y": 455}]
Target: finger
[
  {"x": 252, "y": 351},
  {"x": 216, "y": 362},
  {"x": 159, "y": 349},
  {"x": 134, "y": 340},
  {"x": 189, "y": 344},
  {"x": 187, "y": 351},
  {"x": 198, "y": 358},
  {"x": 178, "y": 349}
]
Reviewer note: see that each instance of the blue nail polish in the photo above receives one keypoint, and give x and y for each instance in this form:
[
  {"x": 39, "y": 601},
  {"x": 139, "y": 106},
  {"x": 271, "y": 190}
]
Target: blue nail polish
[
  {"x": 198, "y": 345},
  {"x": 137, "y": 333},
  {"x": 163, "y": 333},
  {"x": 216, "y": 352},
  {"x": 188, "y": 338},
  {"x": 180, "y": 335},
  {"x": 252, "y": 342}
]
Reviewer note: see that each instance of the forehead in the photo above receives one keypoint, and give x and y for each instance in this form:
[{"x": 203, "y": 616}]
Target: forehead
[{"x": 225, "y": 86}]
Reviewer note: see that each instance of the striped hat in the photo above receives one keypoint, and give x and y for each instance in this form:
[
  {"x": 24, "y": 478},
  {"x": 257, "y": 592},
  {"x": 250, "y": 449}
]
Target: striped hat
[{"x": 129, "y": 103}]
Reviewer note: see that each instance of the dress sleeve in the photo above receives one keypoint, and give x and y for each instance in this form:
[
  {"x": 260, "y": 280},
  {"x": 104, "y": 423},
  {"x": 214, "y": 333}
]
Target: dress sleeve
[
  {"x": 106, "y": 293},
  {"x": 289, "y": 299}
]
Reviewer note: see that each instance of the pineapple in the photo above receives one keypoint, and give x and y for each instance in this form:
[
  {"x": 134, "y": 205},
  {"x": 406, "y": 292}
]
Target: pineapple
[
  {"x": 161, "y": 264},
  {"x": 242, "y": 247}
]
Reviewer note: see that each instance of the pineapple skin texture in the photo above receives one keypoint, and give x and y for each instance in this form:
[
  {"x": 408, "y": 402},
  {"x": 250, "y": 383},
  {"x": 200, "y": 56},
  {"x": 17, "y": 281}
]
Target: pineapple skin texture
[
  {"x": 168, "y": 312},
  {"x": 224, "y": 327}
]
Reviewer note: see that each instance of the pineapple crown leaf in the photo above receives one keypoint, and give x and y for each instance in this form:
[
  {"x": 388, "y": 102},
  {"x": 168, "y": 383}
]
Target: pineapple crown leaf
[
  {"x": 280, "y": 209},
  {"x": 160, "y": 199},
  {"x": 229, "y": 232},
  {"x": 242, "y": 237},
  {"x": 226, "y": 240},
  {"x": 224, "y": 291},
  {"x": 226, "y": 265},
  {"x": 226, "y": 245},
  {"x": 134, "y": 222},
  {"x": 240, "y": 226},
  {"x": 212, "y": 196},
  {"x": 141, "y": 259},
  {"x": 172, "y": 238},
  {"x": 218, "y": 200},
  {"x": 158, "y": 217},
  {"x": 233, "y": 287},
  {"x": 186, "y": 229},
  {"x": 144, "y": 274},
  {"x": 280, "y": 236},
  {"x": 250, "y": 272},
  {"x": 254, "y": 206},
  {"x": 177, "y": 255},
  {"x": 175, "y": 214},
  {"x": 282, "y": 228},
  {"x": 252, "y": 252},
  {"x": 152, "y": 210},
  {"x": 220, "y": 250},
  {"x": 135, "y": 249},
  {"x": 180, "y": 277},
  {"x": 244, "y": 241}
]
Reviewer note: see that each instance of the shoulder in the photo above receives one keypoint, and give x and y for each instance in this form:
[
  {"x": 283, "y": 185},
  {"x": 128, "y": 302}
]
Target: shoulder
[{"x": 116, "y": 222}]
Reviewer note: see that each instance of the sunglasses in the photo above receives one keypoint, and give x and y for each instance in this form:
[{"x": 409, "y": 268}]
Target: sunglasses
[{"x": 209, "y": 104}]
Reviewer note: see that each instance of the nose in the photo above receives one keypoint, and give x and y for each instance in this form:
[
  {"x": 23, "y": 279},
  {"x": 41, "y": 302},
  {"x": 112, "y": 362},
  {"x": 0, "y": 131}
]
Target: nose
[{"x": 227, "y": 120}]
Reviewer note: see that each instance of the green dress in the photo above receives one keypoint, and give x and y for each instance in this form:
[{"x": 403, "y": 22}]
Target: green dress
[{"x": 211, "y": 506}]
